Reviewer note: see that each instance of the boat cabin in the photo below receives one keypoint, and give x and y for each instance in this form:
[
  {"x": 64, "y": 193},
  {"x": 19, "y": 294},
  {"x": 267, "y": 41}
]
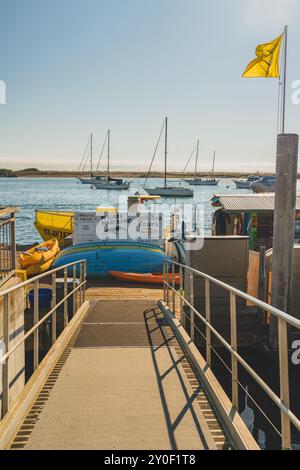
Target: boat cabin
[{"x": 249, "y": 215}]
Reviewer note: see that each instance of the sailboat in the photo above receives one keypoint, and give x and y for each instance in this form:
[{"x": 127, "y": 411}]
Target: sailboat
[
  {"x": 167, "y": 191},
  {"x": 107, "y": 182},
  {"x": 203, "y": 181},
  {"x": 92, "y": 177}
]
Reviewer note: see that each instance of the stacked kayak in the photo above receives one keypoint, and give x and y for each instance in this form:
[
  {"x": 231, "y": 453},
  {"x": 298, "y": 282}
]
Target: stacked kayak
[
  {"x": 145, "y": 278},
  {"x": 39, "y": 258},
  {"x": 115, "y": 255}
]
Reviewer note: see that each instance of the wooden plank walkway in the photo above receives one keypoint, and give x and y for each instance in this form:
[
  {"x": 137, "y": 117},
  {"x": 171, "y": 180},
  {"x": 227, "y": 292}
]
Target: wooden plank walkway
[
  {"x": 113, "y": 289},
  {"x": 123, "y": 382}
]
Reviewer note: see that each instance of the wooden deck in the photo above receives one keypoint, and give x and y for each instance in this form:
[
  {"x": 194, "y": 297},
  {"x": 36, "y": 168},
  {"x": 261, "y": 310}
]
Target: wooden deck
[{"x": 98, "y": 289}]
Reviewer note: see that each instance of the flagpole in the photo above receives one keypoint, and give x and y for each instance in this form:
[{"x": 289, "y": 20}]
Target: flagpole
[{"x": 284, "y": 81}]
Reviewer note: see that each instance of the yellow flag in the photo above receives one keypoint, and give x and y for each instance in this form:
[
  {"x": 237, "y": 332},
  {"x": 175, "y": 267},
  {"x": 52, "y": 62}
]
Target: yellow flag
[{"x": 266, "y": 63}]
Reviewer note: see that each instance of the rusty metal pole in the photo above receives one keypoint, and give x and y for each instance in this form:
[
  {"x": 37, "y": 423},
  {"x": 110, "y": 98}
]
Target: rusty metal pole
[{"x": 284, "y": 227}]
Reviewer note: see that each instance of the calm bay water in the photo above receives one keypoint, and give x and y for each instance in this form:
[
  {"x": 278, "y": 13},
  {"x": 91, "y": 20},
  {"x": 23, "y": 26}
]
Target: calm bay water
[{"x": 68, "y": 194}]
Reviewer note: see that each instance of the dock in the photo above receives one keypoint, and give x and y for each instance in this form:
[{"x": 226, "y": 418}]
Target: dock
[
  {"x": 123, "y": 382},
  {"x": 118, "y": 377},
  {"x": 123, "y": 369}
]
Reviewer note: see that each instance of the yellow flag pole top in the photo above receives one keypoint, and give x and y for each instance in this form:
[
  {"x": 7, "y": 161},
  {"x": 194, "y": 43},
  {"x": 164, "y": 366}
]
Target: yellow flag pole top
[{"x": 266, "y": 63}]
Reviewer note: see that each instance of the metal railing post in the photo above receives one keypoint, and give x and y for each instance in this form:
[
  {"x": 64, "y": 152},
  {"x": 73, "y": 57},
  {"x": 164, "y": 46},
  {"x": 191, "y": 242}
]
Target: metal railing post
[
  {"x": 35, "y": 320},
  {"x": 234, "y": 361},
  {"x": 13, "y": 242},
  {"x": 192, "y": 314},
  {"x": 181, "y": 293},
  {"x": 84, "y": 278},
  {"x": 173, "y": 288},
  {"x": 74, "y": 293},
  {"x": 167, "y": 276},
  {"x": 80, "y": 282},
  {"x": 284, "y": 382},
  {"x": 5, "y": 365},
  {"x": 208, "y": 319},
  {"x": 164, "y": 281},
  {"x": 53, "y": 305},
  {"x": 65, "y": 295}
]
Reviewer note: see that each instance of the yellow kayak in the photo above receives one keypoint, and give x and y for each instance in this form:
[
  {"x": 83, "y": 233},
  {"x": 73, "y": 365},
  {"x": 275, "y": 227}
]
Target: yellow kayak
[
  {"x": 40, "y": 254},
  {"x": 35, "y": 269}
]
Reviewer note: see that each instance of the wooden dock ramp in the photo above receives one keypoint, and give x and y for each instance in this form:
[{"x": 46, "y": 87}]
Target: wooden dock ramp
[{"x": 122, "y": 382}]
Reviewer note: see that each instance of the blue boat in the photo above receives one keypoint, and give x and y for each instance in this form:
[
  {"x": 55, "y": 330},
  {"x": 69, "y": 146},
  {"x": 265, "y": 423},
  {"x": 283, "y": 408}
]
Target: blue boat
[{"x": 115, "y": 255}]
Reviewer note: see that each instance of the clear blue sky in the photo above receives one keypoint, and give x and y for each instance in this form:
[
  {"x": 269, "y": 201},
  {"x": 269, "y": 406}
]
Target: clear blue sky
[{"x": 73, "y": 67}]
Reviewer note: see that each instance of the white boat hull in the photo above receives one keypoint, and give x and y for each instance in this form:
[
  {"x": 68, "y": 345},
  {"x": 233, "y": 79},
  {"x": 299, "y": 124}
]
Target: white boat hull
[
  {"x": 111, "y": 186},
  {"x": 242, "y": 184},
  {"x": 202, "y": 182},
  {"x": 170, "y": 192}
]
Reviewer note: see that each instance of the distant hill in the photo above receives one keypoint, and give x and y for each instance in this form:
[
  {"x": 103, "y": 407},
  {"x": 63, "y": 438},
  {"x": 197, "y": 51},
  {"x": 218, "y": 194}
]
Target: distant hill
[
  {"x": 29, "y": 171},
  {"x": 5, "y": 173}
]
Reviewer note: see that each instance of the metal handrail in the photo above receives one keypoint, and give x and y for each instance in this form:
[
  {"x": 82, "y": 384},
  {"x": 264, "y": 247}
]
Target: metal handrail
[
  {"x": 282, "y": 402},
  {"x": 34, "y": 331},
  {"x": 38, "y": 277},
  {"x": 259, "y": 303}
]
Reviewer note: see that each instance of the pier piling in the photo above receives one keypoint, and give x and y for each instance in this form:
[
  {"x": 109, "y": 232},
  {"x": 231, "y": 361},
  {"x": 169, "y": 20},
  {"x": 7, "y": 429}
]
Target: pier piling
[{"x": 284, "y": 226}]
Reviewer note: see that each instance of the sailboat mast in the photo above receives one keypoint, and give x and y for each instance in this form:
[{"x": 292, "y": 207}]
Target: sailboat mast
[
  {"x": 108, "y": 151},
  {"x": 213, "y": 168},
  {"x": 166, "y": 149},
  {"x": 91, "y": 155},
  {"x": 196, "y": 162}
]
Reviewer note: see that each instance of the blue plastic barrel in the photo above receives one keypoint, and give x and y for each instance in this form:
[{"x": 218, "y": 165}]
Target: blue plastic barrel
[{"x": 45, "y": 297}]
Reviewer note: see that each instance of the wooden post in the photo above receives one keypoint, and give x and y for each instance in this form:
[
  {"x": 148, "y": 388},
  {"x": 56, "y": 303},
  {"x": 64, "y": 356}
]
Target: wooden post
[
  {"x": 5, "y": 367},
  {"x": 284, "y": 227},
  {"x": 234, "y": 362},
  {"x": 261, "y": 278},
  {"x": 208, "y": 319},
  {"x": 284, "y": 382}
]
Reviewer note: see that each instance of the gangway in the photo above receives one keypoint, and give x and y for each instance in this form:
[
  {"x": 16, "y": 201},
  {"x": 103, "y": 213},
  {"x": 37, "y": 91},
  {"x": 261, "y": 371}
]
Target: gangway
[{"x": 122, "y": 374}]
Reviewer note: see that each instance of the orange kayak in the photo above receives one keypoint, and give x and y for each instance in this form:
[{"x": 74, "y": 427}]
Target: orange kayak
[{"x": 146, "y": 278}]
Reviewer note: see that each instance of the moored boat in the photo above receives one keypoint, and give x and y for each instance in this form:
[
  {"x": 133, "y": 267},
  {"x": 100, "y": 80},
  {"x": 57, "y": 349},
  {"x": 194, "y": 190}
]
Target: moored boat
[
  {"x": 35, "y": 269},
  {"x": 107, "y": 182},
  {"x": 196, "y": 181},
  {"x": 146, "y": 278},
  {"x": 246, "y": 184},
  {"x": 39, "y": 254},
  {"x": 165, "y": 190},
  {"x": 266, "y": 184},
  {"x": 54, "y": 224},
  {"x": 115, "y": 255},
  {"x": 59, "y": 224}
]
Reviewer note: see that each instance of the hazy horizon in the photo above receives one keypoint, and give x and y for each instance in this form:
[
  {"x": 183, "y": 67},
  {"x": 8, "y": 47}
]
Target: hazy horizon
[{"x": 72, "y": 67}]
